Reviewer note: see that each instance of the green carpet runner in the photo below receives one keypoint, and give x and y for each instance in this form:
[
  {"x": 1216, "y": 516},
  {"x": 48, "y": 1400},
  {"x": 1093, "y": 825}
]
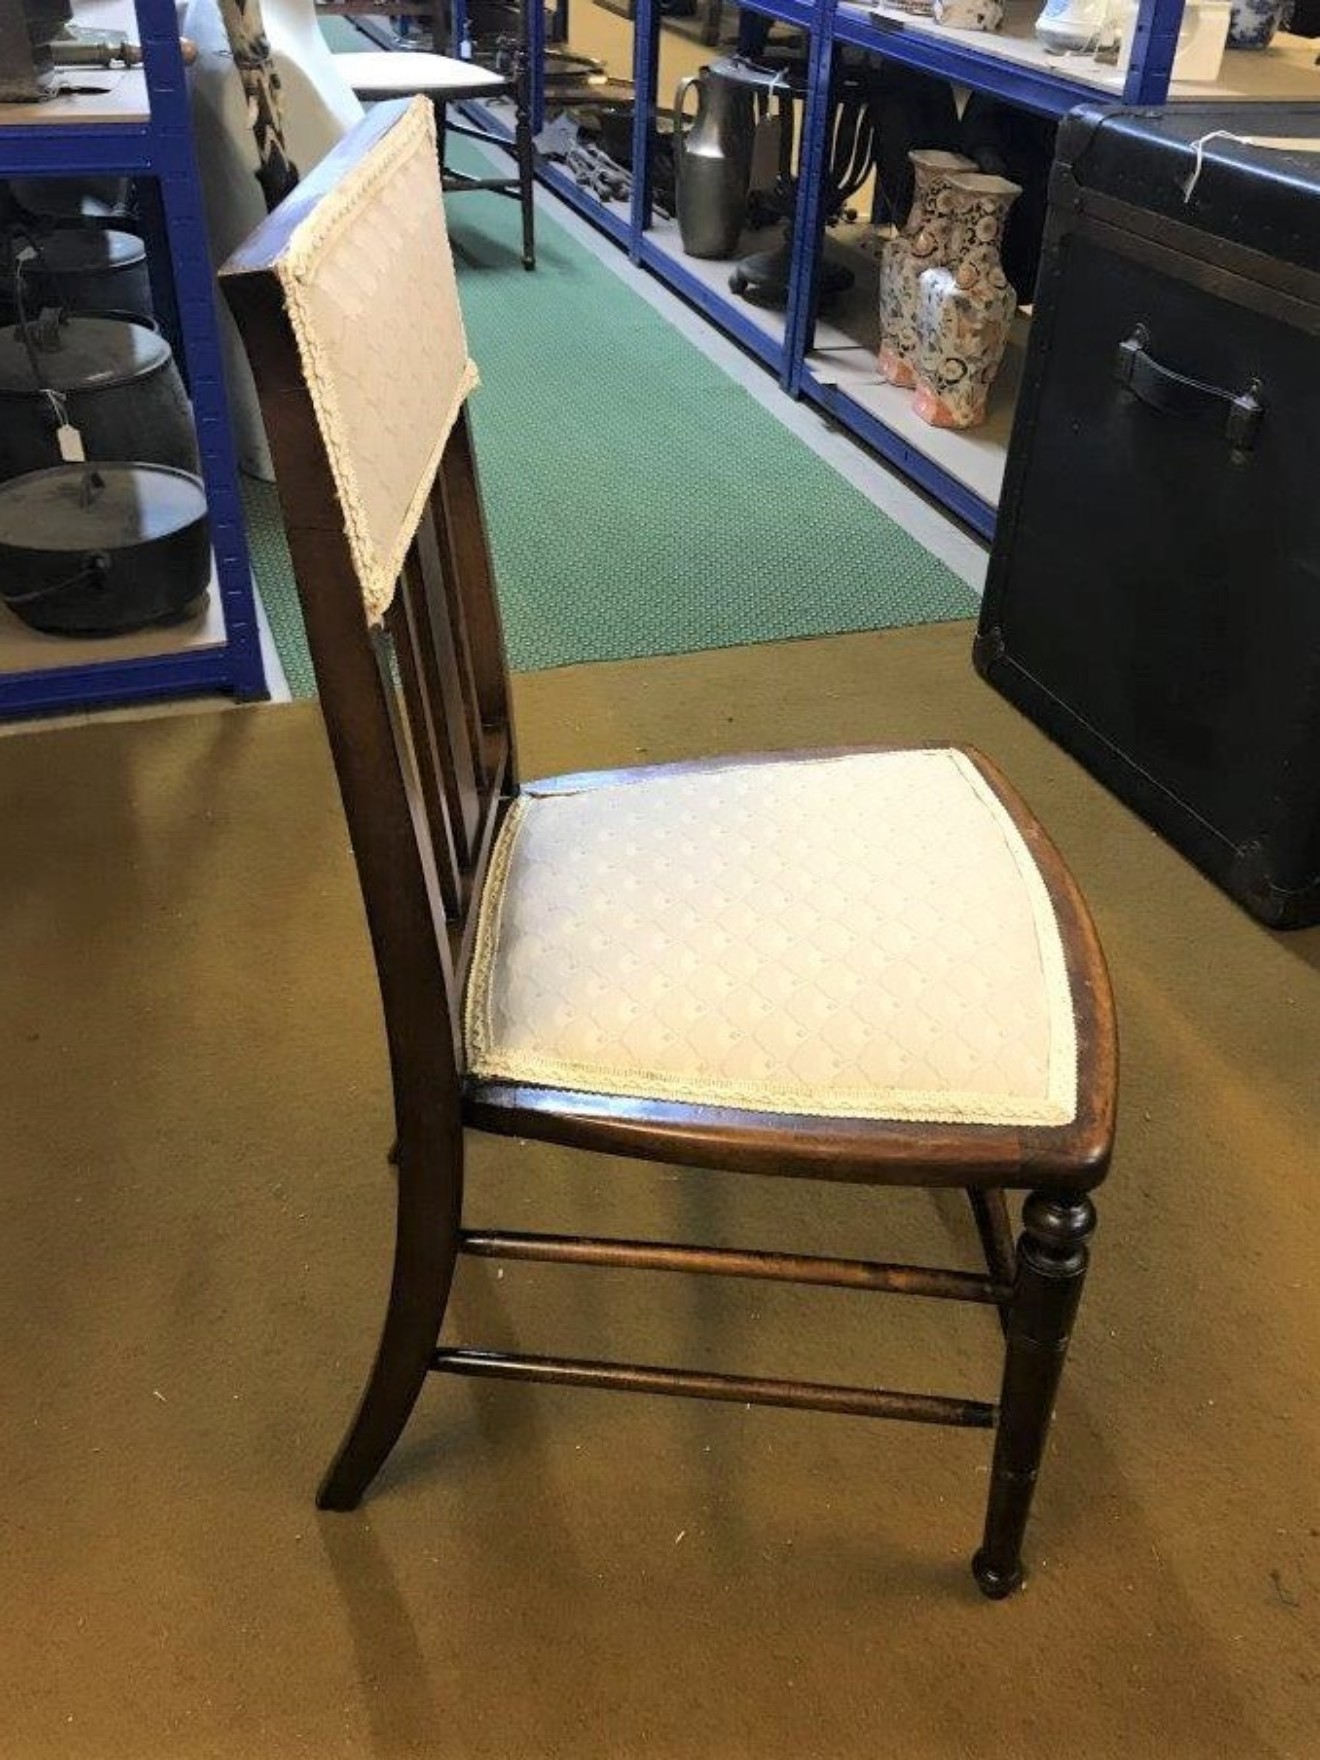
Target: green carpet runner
[{"x": 640, "y": 501}]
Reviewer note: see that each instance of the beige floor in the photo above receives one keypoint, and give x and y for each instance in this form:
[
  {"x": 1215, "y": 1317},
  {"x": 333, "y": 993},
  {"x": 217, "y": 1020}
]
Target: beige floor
[{"x": 196, "y": 1224}]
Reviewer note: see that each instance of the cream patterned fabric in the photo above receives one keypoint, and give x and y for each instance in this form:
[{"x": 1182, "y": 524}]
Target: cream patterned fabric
[
  {"x": 854, "y": 937},
  {"x": 369, "y": 285},
  {"x": 380, "y": 74}
]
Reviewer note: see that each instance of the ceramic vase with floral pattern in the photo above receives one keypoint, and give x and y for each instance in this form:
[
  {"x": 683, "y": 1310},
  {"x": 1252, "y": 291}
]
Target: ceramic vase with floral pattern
[
  {"x": 965, "y": 310},
  {"x": 969, "y": 15},
  {"x": 923, "y": 243},
  {"x": 1252, "y": 23}
]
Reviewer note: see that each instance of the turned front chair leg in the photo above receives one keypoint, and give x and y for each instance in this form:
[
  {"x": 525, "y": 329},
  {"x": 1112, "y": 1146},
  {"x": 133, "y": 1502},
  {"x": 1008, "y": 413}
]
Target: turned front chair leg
[{"x": 1051, "y": 1268}]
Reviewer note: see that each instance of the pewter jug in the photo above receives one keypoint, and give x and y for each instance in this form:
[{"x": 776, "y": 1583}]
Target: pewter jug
[{"x": 713, "y": 161}]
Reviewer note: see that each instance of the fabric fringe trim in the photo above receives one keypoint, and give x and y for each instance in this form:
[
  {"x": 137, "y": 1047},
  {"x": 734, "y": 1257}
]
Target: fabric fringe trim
[{"x": 378, "y": 575}]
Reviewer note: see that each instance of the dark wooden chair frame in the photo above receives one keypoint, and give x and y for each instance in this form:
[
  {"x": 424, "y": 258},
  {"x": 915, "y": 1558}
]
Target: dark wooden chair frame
[
  {"x": 423, "y": 746},
  {"x": 521, "y": 187},
  {"x": 517, "y": 85}
]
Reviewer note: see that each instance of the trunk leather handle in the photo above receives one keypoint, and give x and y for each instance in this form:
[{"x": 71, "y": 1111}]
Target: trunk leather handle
[{"x": 1160, "y": 388}]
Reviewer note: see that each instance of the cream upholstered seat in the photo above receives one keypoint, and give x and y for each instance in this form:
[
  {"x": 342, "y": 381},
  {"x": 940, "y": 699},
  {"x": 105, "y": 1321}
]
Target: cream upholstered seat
[
  {"x": 677, "y": 936},
  {"x": 374, "y": 74}
]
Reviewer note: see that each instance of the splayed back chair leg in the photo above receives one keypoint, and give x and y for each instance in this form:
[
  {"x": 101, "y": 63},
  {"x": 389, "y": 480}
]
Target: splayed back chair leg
[{"x": 425, "y": 1251}]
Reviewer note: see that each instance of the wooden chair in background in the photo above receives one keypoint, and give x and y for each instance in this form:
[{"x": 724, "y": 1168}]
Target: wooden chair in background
[
  {"x": 450, "y": 83},
  {"x": 866, "y": 966}
]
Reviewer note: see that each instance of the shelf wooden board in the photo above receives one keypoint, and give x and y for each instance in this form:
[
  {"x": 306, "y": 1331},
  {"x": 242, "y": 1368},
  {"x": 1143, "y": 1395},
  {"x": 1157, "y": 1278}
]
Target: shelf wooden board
[
  {"x": 1015, "y": 41},
  {"x": 1284, "y": 71},
  {"x": 844, "y": 355},
  {"x": 28, "y": 650},
  {"x": 107, "y": 95},
  {"x": 974, "y": 456}
]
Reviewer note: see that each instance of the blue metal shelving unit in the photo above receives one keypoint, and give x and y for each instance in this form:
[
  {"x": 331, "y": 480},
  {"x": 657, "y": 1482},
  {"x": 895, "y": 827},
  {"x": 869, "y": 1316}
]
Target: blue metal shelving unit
[
  {"x": 1027, "y": 80},
  {"x": 1025, "y": 77},
  {"x": 1027, "y": 83},
  {"x": 161, "y": 149}
]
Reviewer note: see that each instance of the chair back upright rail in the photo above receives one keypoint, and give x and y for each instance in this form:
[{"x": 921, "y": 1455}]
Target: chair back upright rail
[{"x": 411, "y": 672}]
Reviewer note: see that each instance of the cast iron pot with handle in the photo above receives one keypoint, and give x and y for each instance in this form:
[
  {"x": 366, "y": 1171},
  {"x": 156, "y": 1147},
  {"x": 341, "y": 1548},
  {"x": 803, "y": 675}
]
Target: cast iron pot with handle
[
  {"x": 83, "y": 269},
  {"x": 103, "y": 549},
  {"x": 74, "y": 200},
  {"x": 115, "y": 382}
]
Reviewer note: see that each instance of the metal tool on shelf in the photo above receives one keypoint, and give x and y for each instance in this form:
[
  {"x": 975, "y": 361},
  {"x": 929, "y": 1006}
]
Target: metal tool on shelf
[
  {"x": 38, "y": 39},
  {"x": 77, "y": 47},
  {"x": 764, "y": 277}
]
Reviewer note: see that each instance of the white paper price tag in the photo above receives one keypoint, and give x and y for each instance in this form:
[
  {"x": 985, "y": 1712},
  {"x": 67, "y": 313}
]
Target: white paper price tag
[{"x": 70, "y": 443}]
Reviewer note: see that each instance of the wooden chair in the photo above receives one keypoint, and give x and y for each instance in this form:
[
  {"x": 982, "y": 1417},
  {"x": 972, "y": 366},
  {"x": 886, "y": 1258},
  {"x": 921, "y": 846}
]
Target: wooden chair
[
  {"x": 866, "y": 966},
  {"x": 449, "y": 83}
]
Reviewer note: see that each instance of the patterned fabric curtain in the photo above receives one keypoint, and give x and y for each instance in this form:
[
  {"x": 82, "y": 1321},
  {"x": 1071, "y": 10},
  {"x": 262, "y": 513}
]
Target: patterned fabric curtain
[{"x": 246, "y": 30}]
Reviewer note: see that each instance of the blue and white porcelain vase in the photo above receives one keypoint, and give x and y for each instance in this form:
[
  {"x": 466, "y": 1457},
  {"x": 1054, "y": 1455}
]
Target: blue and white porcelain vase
[{"x": 1253, "y": 23}]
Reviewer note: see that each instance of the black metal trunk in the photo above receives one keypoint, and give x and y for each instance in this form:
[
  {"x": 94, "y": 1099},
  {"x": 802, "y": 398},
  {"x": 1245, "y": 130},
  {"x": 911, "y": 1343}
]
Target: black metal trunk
[{"x": 1154, "y": 591}]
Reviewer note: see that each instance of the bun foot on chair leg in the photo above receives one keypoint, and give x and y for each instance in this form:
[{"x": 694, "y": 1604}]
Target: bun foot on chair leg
[
  {"x": 1051, "y": 1267},
  {"x": 997, "y": 1585}
]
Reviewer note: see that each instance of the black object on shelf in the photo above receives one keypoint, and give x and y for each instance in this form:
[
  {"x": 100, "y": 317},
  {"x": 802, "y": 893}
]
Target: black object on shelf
[
  {"x": 83, "y": 269},
  {"x": 103, "y": 549},
  {"x": 26, "y": 30},
  {"x": 1154, "y": 591},
  {"x": 74, "y": 201},
  {"x": 1019, "y": 145},
  {"x": 115, "y": 382},
  {"x": 763, "y": 278}
]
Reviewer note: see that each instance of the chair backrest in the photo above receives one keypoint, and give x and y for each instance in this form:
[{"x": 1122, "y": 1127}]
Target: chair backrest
[{"x": 346, "y": 300}]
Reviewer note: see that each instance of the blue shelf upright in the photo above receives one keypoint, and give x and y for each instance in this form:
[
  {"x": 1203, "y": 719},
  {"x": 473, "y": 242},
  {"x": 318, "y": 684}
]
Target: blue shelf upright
[
  {"x": 963, "y": 474},
  {"x": 158, "y": 147}
]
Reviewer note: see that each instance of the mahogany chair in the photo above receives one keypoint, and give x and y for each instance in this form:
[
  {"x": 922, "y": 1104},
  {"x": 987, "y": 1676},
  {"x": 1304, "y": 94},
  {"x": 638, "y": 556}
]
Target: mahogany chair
[
  {"x": 866, "y": 965},
  {"x": 450, "y": 83}
]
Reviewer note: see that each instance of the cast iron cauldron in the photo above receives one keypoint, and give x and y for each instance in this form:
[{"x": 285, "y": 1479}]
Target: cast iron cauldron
[
  {"x": 75, "y": 199},
  {"x": 120, "y": 386},
  {"x": 103, "y": 549},
  {"x": 88, "y": 269}
]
